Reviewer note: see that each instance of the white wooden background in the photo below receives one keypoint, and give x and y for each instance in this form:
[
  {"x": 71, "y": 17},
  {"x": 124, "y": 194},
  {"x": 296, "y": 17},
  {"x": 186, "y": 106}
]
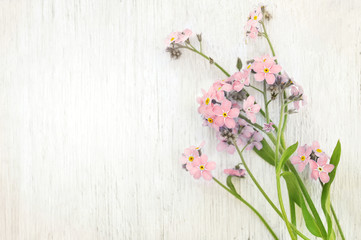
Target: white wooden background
[{"x": 94, "y": 115}]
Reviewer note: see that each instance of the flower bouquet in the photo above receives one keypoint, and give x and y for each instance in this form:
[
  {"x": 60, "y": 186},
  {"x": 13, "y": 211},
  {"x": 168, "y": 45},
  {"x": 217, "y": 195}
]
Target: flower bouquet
[{"x": 236, "y": 116}]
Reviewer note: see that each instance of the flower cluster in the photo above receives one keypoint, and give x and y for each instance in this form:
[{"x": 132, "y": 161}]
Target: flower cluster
[
  {"x": 223, "y": 108},
  {"x": 253, "y": 24},
  {"x": 316, "y": 158},
  {"x": 197, "y": 163}
]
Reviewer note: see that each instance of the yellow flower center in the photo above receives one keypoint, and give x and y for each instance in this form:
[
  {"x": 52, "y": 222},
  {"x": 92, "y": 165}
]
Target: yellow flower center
[
  {"x": 319, "y": 150},
  {"x": 172, "y": 39},
  {"x": 320, "y": 169},
  {"x": 303, "y": 158},
  {"x": 225, "y": 115},
  {"x": 201, "y": 167},
  {"x": 207, "y": 101},
  {"x": 210, "y": 120},
  {"x": 191, "y": 158},
  {"x": 266, "y": 70},
  {"x": 255, "y": 18},
  {"x": 249, "y": 65},
  {"x": 264, "y": 59}
]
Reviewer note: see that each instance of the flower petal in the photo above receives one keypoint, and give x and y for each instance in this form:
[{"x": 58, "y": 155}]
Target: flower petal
[
  {"x": 210, "y": 165},
  {"x": 324, "y": 177},
  {"x": 207, "y": 175}
]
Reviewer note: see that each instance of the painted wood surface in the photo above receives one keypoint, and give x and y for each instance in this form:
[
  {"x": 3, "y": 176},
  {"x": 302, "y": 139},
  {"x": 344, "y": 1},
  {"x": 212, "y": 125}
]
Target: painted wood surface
[{"x": 94, "y": 115}]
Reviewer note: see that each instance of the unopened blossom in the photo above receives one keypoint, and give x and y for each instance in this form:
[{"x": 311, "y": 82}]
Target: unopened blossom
[
  {"x": 225, "y": 114},
  {"x": 235, "y": 172},
  {"x": 201, "y": 167},
  {"x": 251, "y": 108},
  {"x": 268, "y": 127},
  {"x": 302, "y": 158},
  {"x": 240, "y": 80},
  {"x": 255, "y": 141},
  {"x": 266, "y": 71},
  {"x": 245, "y": 132},
  {"x": 321, "y": 169},
  {"x": 297, "y": 91},
  {"x": 226, "y": 138}
]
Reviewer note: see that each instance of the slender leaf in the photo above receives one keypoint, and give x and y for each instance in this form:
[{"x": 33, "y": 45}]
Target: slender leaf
[
  {"x": 325, "y": 197},
  {"x": 266, "y": 152},
  {"x": 230, "y": 184},
  {"x": 295, "y": 195},
  {"x": 285, "y": 156}
]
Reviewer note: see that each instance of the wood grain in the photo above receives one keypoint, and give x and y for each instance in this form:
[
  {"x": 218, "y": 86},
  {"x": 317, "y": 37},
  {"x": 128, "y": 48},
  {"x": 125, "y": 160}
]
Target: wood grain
[{"x": 94, "y": 115}]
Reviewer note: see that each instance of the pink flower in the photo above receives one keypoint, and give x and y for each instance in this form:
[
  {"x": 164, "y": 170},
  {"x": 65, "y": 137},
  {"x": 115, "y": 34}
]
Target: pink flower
[
  {"x": 219, "y": 87},
  {"x": 210, "y": 122},
  {"x": 235, "y": 172},
  {"x": 225, "y": 114},
  {"x": 201, "y": 168},
  {"x": 172, "y": 37},
  {"x": 183, "y": 36},
  {"x": 240, "y": 80},
  {"x": 267, "y": 127},
  {"x": 255, "y": 15},
  {"x": 251, "y": 109},
  {"x": 252, "y": 33},
  {"x": 266, "y": 71},
  {"x": 316, "y": 149},
  {"x": 255, "y": 141},
  {"x": 178, "y": 37},
  {"x": 206, "y": 106},
  {"x": 199, "y": 147},
  {"x": 246, "y": 132},
  {"x": 189, "y": 155},
  {"x": 224, "y": 145},
  {"x": 302, "y": 158},
  {"x": 320, "y": 169},
  {"x": 265, "y": 58}
]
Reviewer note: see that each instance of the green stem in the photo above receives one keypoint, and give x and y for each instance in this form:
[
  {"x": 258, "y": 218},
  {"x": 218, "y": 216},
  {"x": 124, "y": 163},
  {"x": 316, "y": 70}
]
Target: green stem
[
  {"x": 278, "y": 174},
  {"x": 259, "y": 90},
  {"x": 264, "y": 193},
  {"x": 265, "y": 100},
  {"x": 308, "y": 199},
  {"x": 268, "y": 40},
  {"x": 208, "y": 58},
  {"x": 337, "y": 223},
  {"x": 248, "y": 205},
  {"x": 292, "y": 211},
  {"x": 255, "y": 181}
]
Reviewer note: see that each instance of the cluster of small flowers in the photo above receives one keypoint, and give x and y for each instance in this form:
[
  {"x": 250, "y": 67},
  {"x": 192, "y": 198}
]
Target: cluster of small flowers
[
  {"x": 196, "y": 163},
  {"x": 317, "y": 159},
  {"x": 253, "y": 24},
  {"x": 220, "y": 110}
]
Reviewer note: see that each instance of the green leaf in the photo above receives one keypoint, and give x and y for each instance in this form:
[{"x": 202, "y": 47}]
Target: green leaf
[
  {"x": 285, "y": 156},
  {"x": 230, "y": 184},
  {"x": 325, "y": 197},
  {"x": 266, "y": 152},
  {"x": 239, "y": 64},
  {"x": 295, "y": 195}
]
